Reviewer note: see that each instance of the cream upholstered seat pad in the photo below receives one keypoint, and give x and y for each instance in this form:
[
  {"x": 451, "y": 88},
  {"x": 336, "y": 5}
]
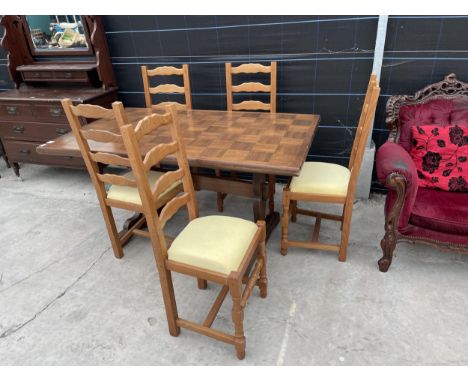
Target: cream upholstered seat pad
[
  {"x": 321, "y": 178},
  {"x": 215, "y": 243},
  {"x": 131, "y": 194}
]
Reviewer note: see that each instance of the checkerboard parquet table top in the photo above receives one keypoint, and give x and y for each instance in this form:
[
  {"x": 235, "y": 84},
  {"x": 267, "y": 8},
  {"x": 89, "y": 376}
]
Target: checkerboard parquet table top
[{"x": 241, "y": 141}]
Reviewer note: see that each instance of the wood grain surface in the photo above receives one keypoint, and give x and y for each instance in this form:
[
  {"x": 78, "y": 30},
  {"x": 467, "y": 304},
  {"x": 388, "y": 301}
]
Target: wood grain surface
[{"x": 256, "y": 142}]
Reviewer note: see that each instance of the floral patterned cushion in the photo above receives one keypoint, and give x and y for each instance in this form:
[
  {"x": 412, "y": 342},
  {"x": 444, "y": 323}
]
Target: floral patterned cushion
[{"x": 440, "y": 155}]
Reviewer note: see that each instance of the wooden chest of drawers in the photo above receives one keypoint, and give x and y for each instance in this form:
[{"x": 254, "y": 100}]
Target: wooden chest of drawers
[{"x": 31, "y": 116}]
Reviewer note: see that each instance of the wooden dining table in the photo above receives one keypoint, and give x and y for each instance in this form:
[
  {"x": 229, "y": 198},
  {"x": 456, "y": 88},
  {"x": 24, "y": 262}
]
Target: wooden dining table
[{"x": 262, "y": 144}]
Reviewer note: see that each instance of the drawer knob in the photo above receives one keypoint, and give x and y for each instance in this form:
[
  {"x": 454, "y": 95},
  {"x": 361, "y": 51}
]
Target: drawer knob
[
  {"x": 55, "y": 111},
  {"x": 36, "y": 74},
  {"x": 61, "y": 130},
  {"x": 67, "y": 75},
  {"x": 25, "y": 151},
  {"x": 18, "y": 129},
  {"x": 11, "y": 110}
]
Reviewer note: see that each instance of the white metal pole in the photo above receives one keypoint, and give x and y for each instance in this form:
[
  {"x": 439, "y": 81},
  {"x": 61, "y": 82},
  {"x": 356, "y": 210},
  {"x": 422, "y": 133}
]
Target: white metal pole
[{"x": 378, "y": 56}]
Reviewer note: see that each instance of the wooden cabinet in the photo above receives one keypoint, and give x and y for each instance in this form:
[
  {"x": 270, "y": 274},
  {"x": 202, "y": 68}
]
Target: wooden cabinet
[{"x": 31, "y": 114}]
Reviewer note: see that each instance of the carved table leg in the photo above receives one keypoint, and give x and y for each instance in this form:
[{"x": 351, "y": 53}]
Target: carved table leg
[
  {"x": 219, "y": 195},
  {"x": 271, "y": 193},
  {"x": 259, "y": 205},
  {"x": 137, "y": 219},
  {"x": 389, "y": 241},
  {"x": 260, "y": 201}
]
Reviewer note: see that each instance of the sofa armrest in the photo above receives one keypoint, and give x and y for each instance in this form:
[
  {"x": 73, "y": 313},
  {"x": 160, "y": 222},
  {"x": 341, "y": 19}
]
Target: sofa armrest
[{"x": 397, "y": 172}]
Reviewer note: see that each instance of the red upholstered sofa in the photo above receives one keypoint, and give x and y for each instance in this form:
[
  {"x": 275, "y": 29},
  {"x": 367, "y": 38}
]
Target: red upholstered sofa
[{"x": 414, "y": 213}]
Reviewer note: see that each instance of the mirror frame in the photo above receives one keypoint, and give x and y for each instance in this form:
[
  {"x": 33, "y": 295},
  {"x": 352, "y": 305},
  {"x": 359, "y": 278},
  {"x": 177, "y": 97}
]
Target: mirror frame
[{"x": 57, "y": 51}]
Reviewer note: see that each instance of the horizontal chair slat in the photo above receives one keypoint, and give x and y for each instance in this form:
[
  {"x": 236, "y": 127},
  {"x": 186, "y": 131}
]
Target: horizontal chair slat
[
  {"x": 141, "y": 233},
  {"x": 251, "y": 68},
  {"x": 101, "y": 136},
  {"x": 172, "y": 207},
  {"x": 158, "y": 153},
  {"x": 251, "y": 87},
  {"x": 165, "y": 71},
  {"x": 167, "y": 180},
  {"x": 213, "y": 333},
  {"x": 165, "y": 104},
  {"x": 314, "y": 245},
  {"x": 93, "y": 111},
  {"x": 110, "y": 159},
  {"x": 151, "y": 123},
  {"x": 251, "y": 105},
  {"x": 319, "y": 214},
  {"x": 116, "y": 179},
  {"x": 167, "y": 88}
]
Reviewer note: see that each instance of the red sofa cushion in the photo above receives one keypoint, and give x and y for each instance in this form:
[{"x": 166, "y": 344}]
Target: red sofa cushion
[
  {"x": 440, "y": 155},
  {"x": 441, "y": 112},
  {"x": 441, "y": 211}
]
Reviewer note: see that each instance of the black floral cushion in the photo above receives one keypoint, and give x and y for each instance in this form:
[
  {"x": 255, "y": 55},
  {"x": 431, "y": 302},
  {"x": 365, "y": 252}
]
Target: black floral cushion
[{"x": 440, "y": 155}]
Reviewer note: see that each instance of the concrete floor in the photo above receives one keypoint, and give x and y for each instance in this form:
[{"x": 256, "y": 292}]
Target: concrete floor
[{"x": 65, "y": 299}]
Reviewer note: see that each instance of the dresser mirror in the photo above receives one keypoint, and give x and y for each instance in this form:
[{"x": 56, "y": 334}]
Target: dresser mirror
[{"x": 56, "y": 35}]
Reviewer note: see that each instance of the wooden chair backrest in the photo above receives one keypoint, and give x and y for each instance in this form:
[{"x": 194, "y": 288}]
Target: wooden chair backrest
[
  {"x": 365, "y": 109},
  {"x": 251, "y": 87},
  {"x": 362, "y": 134},
  {"x": 167, "y": 88},
  {"x": 76, "y": 115},
  {"x": 150, "y": 194}
]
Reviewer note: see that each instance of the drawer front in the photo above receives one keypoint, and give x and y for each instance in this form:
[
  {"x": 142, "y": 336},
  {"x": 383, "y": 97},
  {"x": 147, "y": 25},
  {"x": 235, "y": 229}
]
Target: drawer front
[
  {"x": 15, "y": 111},
  {"x": 25, "y": 152},
  {"x": 52, "y": 112},
  {"x": 32, "y": 130},
  {"x": 37, "y": 76},
  {"x": 75, "y": 75}
]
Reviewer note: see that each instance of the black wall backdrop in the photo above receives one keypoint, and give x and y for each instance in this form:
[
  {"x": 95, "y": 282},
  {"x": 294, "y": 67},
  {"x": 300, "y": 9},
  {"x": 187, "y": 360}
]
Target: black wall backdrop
[{"x": 324, "y": 62}]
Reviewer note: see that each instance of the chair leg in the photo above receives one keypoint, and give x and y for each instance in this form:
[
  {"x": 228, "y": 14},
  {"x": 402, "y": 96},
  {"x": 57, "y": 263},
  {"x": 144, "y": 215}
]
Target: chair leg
[
  {"x": 293, "y": 210},
  {"x": 237, "y": 316},
  {"x": 388, "y": 244},
  {"x": 202, "y": 284},
  {"x": 112, "y": 231},
  {"x": 342, "y": 214},
  {"x": 167, "y": 288},
  {"x": 345, "y": 229},
  {"x": 284, "y": 223},
  {"x": 388, "y": 247},
  {"x": 263, "y": 282}
]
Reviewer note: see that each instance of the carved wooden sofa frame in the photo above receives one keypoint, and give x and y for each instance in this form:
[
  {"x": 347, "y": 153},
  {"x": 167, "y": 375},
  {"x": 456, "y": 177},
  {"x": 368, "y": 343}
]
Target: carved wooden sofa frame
[{"x": 448, "y": 89}]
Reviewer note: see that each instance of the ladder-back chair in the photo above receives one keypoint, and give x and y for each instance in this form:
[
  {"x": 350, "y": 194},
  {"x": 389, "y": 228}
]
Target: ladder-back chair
[
  {"x": 147, "y": 74},
  {"x": 213, "y": 248},
  {"x": 122, "y": 192},
  {"x": 250, "y": 87},
  {"x": 330, "y": 183}
]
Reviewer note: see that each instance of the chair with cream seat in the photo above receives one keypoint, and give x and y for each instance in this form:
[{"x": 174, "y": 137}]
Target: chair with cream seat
[
  {"x": 329, "y": 183},
  {"x": 214, "y": 248},
  {"x": 164, "y": 71},
  {"x": 122, "y": 191}
]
